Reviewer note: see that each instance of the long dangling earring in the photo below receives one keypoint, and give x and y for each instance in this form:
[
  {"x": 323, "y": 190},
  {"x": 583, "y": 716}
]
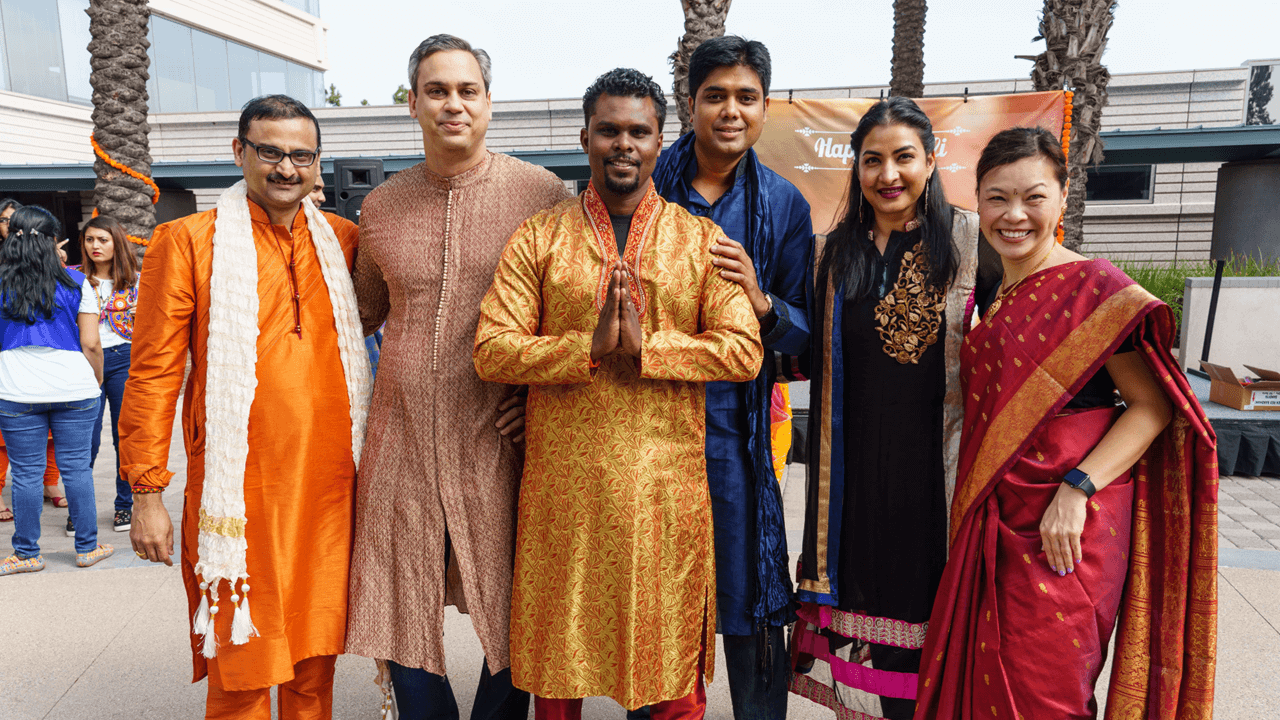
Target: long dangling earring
[
  {"x": 861, "y": 198},
  {"x": 927, "y": 183}
]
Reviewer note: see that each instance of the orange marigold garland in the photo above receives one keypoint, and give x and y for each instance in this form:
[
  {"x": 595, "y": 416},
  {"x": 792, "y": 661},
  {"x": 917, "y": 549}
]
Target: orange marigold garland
[
  {"x": 155, "y": 189},
  {"x": 1067, "y": 96}
]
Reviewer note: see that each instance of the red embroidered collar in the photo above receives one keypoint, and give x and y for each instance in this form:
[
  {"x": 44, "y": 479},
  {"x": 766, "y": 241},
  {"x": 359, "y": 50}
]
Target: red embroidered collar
[{"x": 641, "y": 229}]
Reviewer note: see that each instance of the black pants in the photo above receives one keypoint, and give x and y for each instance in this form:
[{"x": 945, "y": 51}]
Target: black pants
[
  {"x": 421, "y": 695},
  {"x": 748, "y": 661}
]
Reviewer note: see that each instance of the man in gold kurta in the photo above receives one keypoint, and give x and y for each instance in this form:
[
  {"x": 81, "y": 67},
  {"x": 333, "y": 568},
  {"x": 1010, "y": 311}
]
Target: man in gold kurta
[
  {"x": 614, "y": 590},
  {"x": 299, "y": 474}
]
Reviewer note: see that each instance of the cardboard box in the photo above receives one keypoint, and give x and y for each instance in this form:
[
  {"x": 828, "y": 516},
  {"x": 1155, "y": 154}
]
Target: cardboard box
[{"x": 1227, "y": 389}]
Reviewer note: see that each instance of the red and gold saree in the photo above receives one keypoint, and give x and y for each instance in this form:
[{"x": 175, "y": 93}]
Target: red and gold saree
[{"x": 1008, "y": 637}]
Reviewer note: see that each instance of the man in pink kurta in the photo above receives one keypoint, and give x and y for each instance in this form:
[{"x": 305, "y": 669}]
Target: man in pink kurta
[{"x": 437, "y": 489}]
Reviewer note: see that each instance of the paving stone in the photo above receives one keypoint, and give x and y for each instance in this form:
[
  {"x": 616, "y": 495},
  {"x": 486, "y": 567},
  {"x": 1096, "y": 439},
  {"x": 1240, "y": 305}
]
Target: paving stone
[
  {"x": 1243, "y": 513},
  {"x": 1226, "y": 506},
  {"x": 1258, "y": 505},
  {"x": 1242, "y": 495},
  {"x": 1225, "y": 522},
  {"x": 1264, "y": 531},
  {"x": 1252, "y": 542},
  {"x": 1273, "y": 541},
  {"x": 1234, "y": 533},
  {"x": 1225, "y": 542}
]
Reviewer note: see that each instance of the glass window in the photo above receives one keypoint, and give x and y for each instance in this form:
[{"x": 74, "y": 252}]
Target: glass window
[
  {"x": 243, "y": 64},
  {"x": 212, "y": 89},
  {"x": 153, "y": 86},
  {"x": 272, "y": 73},
  {"x": 75, "y": 47},
  {"x": 34, "y": 48},
  {"x": 318, "y": 93},
  {"x": 311, "y": 7},
  {"x": 4, "y": 62},
  {"x": 1119, "y": 183},
  {"x": 299, "y": 81},
  {"x": 174, "y": 65}
]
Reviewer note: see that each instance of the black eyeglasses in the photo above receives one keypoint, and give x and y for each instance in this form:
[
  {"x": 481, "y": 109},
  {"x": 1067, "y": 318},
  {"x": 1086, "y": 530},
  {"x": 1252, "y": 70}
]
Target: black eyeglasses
[{"x": 266, "y": 153}]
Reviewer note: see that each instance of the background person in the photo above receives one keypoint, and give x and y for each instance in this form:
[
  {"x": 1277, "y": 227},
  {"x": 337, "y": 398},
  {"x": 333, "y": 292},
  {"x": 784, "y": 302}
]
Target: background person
[
  {"x": 112, "y": 271},
  {"x": 317, "y": 192},
  {"x": 1052, "y": 468},
  {"x": 8, "y": 206},
  {"x": 50, "y": 372},
  {"x": 892, "y": 285}
]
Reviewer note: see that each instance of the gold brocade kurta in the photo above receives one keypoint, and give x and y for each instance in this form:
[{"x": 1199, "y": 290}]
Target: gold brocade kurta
[
  {"x": 433, "y": 462},
  {"x": 299, "y": 477},
  {"x": 614, "y": 588}
]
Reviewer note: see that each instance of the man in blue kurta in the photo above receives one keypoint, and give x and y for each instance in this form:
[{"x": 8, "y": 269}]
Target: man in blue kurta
[{"x": 713, "y": 172}]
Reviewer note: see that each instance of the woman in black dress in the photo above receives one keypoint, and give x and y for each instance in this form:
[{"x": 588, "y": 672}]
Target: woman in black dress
[{"x": 892, "y": 285}]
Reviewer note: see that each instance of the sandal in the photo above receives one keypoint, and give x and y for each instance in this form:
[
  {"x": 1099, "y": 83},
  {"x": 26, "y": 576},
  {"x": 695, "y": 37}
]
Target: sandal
[
  {"x": 6, "y": 515},
  {"x": 57, "y": 501},
  {"x": 13, "y": 565},
  {"x": 94, "y": 556}
]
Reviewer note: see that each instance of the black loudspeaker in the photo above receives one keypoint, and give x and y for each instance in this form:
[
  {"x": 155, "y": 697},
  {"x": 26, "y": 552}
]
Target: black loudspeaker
[
  {"x": 1246, "y": 216},
  {"x": 353, "y": 179}
]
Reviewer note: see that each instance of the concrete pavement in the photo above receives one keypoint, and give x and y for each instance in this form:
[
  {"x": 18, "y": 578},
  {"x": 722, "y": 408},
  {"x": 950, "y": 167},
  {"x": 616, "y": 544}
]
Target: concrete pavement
[{"x": 111, "y": 641}]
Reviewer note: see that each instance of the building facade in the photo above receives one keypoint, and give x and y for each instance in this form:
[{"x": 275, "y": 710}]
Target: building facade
[{"x": 1158, "y": 211}]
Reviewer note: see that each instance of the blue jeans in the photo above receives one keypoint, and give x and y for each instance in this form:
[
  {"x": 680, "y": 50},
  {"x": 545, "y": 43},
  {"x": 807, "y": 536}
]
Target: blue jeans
[
  {"x": 26, "y": 430},
  {"x": 421, "y": 695},
  {"x": 115, "y": 371}
]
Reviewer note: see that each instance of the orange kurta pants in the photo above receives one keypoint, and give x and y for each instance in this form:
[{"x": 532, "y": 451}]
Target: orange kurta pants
[
  {"x": 308, "y": 696},
  {"x": 51, "y": 475}
]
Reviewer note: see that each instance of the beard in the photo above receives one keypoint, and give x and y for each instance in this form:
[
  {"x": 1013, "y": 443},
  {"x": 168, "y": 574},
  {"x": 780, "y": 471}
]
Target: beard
[{"x": 621, "y": 187}]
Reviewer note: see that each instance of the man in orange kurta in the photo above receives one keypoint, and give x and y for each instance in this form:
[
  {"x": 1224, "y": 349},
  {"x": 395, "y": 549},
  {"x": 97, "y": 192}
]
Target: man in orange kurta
[{"x": 300, "y": 473}]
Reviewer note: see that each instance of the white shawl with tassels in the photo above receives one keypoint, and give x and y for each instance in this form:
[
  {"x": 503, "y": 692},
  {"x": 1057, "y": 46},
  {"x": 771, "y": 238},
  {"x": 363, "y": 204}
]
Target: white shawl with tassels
[{"x": 232, "y": 381}]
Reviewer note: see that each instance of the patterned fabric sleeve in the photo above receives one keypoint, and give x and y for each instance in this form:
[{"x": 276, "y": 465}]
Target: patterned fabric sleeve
[
  {"x": 508, "y": 347},
  {"x": 372, "y": 296},
  {"x": 726, "y": 348},
  {"x": 161, "y": 337}
]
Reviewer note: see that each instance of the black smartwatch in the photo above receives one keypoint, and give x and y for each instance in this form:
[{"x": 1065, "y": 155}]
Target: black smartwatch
[{"x": 1077, "y": 479}]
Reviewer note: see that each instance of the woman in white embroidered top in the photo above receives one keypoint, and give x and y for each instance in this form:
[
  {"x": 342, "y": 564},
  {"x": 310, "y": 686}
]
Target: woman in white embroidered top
[
  {"x": 50, "y": 377},
  {"x": 112, "y": 271}
]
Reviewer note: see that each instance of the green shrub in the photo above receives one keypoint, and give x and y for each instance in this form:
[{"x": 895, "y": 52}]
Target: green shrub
[{"x": 1168, "y": 282}]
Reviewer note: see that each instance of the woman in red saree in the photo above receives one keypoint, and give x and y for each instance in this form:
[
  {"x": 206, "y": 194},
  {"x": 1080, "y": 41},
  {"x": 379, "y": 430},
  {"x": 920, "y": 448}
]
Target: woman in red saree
[{"x": 1071, "y": 509}]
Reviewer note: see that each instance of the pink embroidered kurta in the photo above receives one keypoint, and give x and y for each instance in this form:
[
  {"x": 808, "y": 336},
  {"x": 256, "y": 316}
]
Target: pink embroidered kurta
[
  {"x": 433, "y": 461},
  {"x": 614, "y": 581}
]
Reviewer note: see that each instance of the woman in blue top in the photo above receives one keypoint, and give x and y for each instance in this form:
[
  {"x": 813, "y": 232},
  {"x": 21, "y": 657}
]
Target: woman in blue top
[{"x": 50, "y": 379}]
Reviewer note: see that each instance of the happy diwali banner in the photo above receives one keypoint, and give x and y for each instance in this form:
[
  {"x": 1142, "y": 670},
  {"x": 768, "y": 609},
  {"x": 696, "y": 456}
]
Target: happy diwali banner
[{"x": 807, "y": 141}]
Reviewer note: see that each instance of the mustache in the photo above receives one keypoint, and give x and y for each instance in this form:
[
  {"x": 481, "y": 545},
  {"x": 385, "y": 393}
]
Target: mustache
[
  {"x": 278, "y": 178},
  {"x": 622, "y": 158}
]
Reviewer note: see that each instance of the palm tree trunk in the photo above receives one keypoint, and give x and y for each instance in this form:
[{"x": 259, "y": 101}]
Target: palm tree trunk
[
  {"x": 119, "y": 60},
  {"x": 907, "y": 66},
  {"x": 703, "y": 20},
  {"x": 1075, "y": 36}
]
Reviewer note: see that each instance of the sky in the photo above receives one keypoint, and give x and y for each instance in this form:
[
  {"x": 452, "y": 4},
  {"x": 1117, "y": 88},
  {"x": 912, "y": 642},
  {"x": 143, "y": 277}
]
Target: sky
[{"x": 555, "y": 48}]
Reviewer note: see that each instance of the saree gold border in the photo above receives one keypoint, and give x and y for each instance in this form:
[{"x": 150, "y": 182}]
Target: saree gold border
[
  {"x": 823, "y": 583},
  {"x": 1037, "y": 395}
]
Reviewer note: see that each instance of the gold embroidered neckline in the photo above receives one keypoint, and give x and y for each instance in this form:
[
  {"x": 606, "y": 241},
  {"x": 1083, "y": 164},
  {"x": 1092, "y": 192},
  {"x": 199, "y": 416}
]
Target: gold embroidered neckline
[{"x": 910, "y": 315}]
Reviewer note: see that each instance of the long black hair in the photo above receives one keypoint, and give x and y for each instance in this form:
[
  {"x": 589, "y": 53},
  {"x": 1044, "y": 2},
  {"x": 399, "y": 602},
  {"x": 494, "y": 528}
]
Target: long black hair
[
  {"x": 848, "y": 251},
  {"x": 30, "y": 271}
]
